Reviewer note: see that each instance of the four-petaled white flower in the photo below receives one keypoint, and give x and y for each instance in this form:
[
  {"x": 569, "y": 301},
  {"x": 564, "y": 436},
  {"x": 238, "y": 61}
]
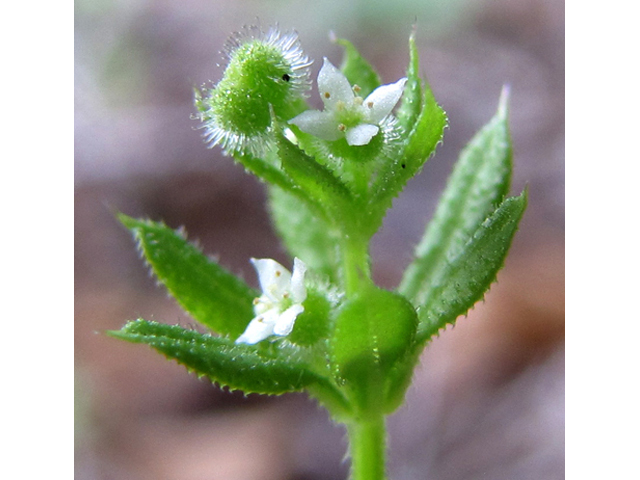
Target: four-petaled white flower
[
  {"x": 345, "y": 113},
  {"x": 280, "y": 303}
]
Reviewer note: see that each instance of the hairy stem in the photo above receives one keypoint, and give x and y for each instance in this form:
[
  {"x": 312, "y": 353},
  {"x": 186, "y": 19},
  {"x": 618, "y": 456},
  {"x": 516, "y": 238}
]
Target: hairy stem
[{"x": 355, "y": 264}]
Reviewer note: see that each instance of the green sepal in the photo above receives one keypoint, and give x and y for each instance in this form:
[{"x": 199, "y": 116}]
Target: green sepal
[
  {"x": 210, "y": 294},
  {"x": 305, "y": 234},
  {"x": 358, "y": 70},
  {"x": 265, "y": 368},
  {"x": 479, "y": 182},
  {"x": 466, "y": 278}
]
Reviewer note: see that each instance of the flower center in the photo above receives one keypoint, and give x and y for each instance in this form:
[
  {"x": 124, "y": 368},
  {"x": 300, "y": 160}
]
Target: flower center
[{"x": 351, "y": 114}]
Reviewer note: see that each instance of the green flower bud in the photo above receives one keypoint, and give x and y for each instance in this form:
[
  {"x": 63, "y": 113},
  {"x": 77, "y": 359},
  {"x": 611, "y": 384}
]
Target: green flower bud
[{"x": 265, "y": 71}]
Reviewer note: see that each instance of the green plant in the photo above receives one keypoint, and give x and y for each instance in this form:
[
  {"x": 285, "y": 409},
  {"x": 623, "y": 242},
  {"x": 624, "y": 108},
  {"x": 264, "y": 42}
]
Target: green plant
[{"x": 331, "y": 176}]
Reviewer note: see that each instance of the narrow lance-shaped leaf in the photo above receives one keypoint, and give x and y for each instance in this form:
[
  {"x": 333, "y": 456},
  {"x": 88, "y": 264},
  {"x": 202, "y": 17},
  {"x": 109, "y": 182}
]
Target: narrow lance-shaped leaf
[
  {"x": 425, "y": 136},
  {"x": 423, "y": 121},
  {"x": 304, "y": 234},
  {"x": 237, "y": 366},
  {"x": 358, "y": 70},
  {"x": 210, "y": 294},
  {"x": 480, "y": 180},
  {"x": 269, "y": 172},
  {"x": 468, "y": 276},
  {"x": 265, "y": 171},
  {"x": 411, "y": 104}
]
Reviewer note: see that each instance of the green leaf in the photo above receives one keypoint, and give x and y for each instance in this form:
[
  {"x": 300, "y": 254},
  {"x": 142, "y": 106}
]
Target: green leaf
[
  {"x": 423, "y": 138},
  {"x": 373, "y": 331},
  {"x": 265, "y": 170},
  {"x": 479, "y": 182},
  {"x": 269, "y": 170},
  {"x": 398, "y": 379},
  {"x": 425, "y": 132},
  {"x": 312, "y": 326},
  {"x": 305, "y": 235},
  {"x": 411, "y": 104},
  {"x": 252, "y": 369},
  {"x": 210, "y": 294},
  {"x": 467, "y": 277},
  {"x": 318, "y": 182},
  {"x": 353, "y": 166},
  {"x": 358, "y": 70}
]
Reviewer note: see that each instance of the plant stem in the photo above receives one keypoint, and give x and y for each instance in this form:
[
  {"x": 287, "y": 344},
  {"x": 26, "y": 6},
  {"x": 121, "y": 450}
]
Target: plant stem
[
  {"x": 367, "y": 440},
  {"x": 355, "y": 263}
]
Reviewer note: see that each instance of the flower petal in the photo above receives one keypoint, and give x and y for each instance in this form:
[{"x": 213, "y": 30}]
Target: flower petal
[
  {"x": 319, "y": 124},
  {"x": 259, "y": 328},
  {"x": 274, "y": 278},
  {"x": 362, "y": 134},
  {"x": 333, "y": 86},
  {"x": 285, "y": 322},
  {"x": 297, "y": 288},
  {"x": 382, "y": 100}
]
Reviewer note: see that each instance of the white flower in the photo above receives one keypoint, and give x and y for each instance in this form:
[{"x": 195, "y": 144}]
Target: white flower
[
  {"x": 281, "y": 300},
  {"x": 345, "y": 113}
]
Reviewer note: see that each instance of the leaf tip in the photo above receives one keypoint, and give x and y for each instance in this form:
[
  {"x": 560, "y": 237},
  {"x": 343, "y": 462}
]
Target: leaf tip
[
  {"x": 121, "y": 334},
  {"x": 126, "y": 220},
  {"x": 113, "y": 333},
  {"x": 503, "y": 103},
  {"x": 522, "y": 199}
]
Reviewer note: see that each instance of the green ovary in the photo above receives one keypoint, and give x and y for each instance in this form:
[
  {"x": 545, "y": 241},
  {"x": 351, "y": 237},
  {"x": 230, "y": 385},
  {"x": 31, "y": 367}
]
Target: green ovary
[{"x": 349, "y": 115}]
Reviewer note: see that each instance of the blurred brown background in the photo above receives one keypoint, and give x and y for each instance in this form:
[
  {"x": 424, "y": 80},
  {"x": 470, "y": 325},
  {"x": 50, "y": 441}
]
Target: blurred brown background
[{"x": 488, "y": 400}]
